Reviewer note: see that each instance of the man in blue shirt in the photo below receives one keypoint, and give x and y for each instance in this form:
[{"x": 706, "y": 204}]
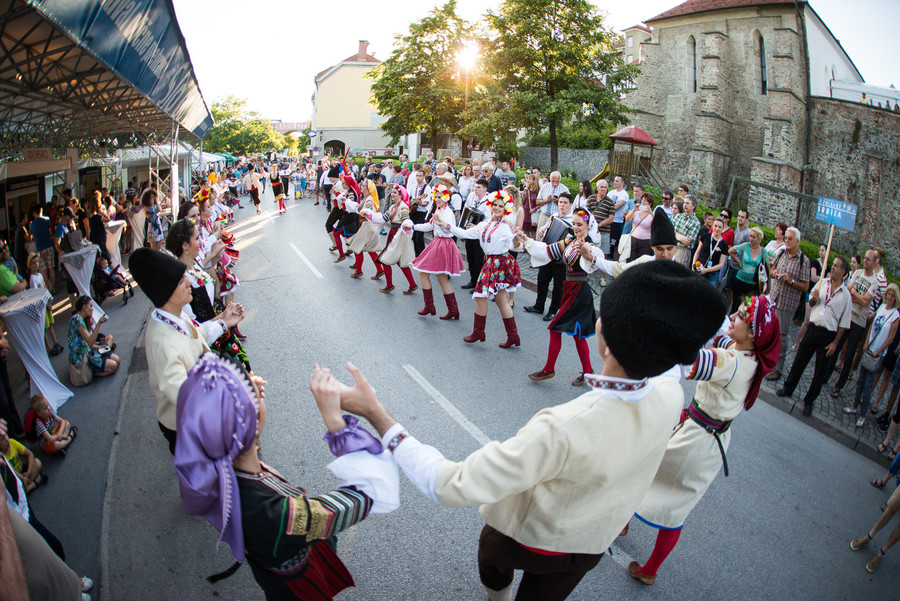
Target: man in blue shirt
[{"x": 43, "y": 245}]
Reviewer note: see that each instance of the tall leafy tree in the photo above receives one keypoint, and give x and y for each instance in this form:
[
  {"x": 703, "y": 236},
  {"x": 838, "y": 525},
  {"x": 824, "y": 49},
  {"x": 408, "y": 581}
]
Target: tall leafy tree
[
  {"x": 240, "y": 131},
  {"x": 553, "y": 63},
  {"x": 420, "y": 85}
]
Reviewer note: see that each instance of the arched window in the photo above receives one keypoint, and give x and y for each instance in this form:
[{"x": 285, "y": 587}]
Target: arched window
[
  {"x": 763, "y": 75},
  {"x": 692, "y": 65}
]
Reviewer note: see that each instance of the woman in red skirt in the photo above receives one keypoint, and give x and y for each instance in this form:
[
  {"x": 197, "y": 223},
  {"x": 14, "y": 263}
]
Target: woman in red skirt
[
  {"x": 441, "y": 257},
  {"x": 500, "y": 272}
]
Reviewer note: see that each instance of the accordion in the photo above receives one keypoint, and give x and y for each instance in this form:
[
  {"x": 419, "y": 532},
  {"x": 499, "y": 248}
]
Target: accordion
[
  {"x": 556, "y": 230},
  {"x": 469, "y": 217}
]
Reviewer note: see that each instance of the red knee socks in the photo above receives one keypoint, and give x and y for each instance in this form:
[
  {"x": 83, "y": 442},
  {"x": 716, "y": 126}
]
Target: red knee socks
[
  {"x": 409, "y": 278},
  {"x": 359, "y": 260},
  {"x": 584, "y": 353},
  {"x": 337, "y": 242},
  {"x": 553, "y": 351},
  {"x": 388, "y": 276},
  {"x": 665, "y": 542},
  {"x": 378, "y": 266}
]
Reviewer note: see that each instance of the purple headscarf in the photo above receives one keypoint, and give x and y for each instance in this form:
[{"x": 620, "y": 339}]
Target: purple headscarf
[{"x": 216, "y": 419}]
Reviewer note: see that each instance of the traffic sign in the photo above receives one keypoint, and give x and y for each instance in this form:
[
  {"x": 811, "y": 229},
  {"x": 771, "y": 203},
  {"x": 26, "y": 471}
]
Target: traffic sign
[
  {"x": 836, "y": 212},
  {"x": 312, "y": 133}
]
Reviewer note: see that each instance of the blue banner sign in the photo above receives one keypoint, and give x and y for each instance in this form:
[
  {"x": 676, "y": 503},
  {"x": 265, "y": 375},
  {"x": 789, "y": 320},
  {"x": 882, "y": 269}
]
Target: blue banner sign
[
  {"x": 836, "y": 212},
  {"x": 140, "y": 41},
  {"x": 312, "y": 133}
]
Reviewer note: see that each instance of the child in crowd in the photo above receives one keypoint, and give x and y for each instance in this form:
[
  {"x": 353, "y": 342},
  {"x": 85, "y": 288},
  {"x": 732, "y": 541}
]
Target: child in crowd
[
  {"x": 36, "y": 280},
  {"x": 23, "y": 461},
  {"x": 115, "y": 273},
  {"x": 53, "y": 433}
]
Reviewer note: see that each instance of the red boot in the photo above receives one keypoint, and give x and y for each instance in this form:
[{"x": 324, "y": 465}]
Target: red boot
[
  {"x": 452, "y": 307},
  {"x": 429, "y": 302},
  {"x": 477, "y": 334},
  {"x": 512, "y": 334}
]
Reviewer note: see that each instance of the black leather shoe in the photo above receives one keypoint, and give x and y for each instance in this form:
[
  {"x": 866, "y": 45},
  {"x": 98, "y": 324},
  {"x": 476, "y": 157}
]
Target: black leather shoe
[
  {"x": 549, "y": 316},
  {"x": 533, "y": 309},
  {"x": 782, "y": 393},
  {"x": 468, "y": 286},
  {"x": 807, "y": 410}
]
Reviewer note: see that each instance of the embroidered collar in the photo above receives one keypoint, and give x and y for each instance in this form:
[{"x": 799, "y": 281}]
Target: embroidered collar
[
  {"x": 597, "y": 382},
  {"x": 179, "y": 324}
]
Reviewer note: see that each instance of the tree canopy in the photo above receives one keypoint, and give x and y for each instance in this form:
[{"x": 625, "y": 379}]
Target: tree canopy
[
  {"x": 420, "y": 86},
  {"x": 240, "y": 131},
  {"x": 552, "y": 64}
]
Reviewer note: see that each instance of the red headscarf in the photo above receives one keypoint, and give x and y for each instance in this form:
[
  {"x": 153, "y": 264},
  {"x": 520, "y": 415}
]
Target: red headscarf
[
  {"x": 766, "y": 332},
  {"x": 404, "y": 194},
  {"x": 351, "y": 183}
]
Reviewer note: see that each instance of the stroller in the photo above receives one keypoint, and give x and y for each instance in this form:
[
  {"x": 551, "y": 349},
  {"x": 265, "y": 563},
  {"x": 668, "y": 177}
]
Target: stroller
[{"x": 105, "y": 284}]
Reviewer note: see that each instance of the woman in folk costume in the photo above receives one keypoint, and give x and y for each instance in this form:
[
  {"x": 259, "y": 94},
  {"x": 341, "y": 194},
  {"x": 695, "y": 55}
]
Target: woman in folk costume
[
  {"x": 366, "y": 239},
  {"x": 210, "y": 232},
  {"x": 576, "y": 315},
  {"x": 346, "y": 194},
  {"x": 277, "y": 188},
  {"x": 183, "y": 241},
  {"x": 399, "y": 249},
  {"x": 441, "y": 257},
  {"x": 500, "y": 273},
  {"x": 728, "y": 376},
  {"x": 287, "y": 535}
]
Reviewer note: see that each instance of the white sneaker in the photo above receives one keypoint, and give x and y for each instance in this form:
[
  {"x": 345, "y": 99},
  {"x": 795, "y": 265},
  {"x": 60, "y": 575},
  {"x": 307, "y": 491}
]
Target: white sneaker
[
  {"x": 860, "y": 422},
  {"x": 850, "y": 410},
  {"x": 86, "y": 584},
  {"x": 85, "y": 597}
]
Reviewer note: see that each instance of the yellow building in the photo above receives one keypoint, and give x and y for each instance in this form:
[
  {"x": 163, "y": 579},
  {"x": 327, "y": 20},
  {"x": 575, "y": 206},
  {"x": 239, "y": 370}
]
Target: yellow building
[{"x": 344, "y": 117}]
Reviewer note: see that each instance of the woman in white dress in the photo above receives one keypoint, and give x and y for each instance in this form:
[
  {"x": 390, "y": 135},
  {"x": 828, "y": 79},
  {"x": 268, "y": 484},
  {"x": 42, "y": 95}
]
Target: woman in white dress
[{"x": 728, "y": 375}]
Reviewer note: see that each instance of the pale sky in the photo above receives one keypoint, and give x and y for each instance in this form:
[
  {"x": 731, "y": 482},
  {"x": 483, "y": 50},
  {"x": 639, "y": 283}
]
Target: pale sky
[{"x": 270, "y": 51}]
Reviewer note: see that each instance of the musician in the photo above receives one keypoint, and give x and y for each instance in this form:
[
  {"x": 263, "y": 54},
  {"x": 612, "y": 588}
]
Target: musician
[
  {"x": 419, "y": 202},
  {"x": 559, "y": 227},
  {"x": 477, "y": 206}
]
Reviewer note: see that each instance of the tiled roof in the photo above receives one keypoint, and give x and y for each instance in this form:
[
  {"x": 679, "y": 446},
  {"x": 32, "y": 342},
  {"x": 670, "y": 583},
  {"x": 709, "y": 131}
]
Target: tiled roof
[
  {"x": 698, "y": 6},
  {"x": 353, "y": 58}
]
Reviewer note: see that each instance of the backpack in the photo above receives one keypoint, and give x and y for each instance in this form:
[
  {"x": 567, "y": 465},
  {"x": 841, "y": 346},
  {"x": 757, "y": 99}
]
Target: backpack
[{"x": 31, "y": 426}]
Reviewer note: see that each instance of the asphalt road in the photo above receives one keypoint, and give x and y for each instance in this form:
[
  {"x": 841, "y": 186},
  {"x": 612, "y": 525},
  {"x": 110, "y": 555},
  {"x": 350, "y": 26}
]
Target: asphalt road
[{"x": 778, "y": 527}]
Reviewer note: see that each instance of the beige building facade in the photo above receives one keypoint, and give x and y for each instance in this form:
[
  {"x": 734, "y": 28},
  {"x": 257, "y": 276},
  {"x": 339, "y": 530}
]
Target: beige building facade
[{"x": 344, "y": 117}]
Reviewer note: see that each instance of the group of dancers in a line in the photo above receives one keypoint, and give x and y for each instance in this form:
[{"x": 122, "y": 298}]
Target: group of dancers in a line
[{"x": 551, "y": 508}]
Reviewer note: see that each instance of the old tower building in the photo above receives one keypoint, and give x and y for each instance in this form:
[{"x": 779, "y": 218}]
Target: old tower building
[{"x": 761, "y": 89}]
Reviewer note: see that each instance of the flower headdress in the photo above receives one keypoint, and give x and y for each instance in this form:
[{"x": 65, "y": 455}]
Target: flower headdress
[
  {"x": 583, "y": 213},
  {"x": 766, "y": 331},
  {"x": 441, "y": 191},
  {"x": 507, "y": 199}
]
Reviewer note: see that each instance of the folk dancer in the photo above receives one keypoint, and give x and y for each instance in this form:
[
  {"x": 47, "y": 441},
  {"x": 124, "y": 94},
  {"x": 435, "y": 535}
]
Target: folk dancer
[
  {"x": 441, "y": 257},
  {"x": 399, "y": 248},
  {"x": 499, "y": 272},
  {"x": 728, "y": 375},
  {"x": 366, "y": 239}
]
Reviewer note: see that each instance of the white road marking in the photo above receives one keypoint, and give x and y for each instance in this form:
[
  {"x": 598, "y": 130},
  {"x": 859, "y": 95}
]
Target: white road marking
[
  {"x": 308, "y": 264},
  {"x": 615, "y": 553},
  {"x": 447, "y": 406}
]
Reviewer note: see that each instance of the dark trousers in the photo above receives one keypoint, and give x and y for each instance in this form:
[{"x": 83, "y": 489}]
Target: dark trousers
[
  {"x": 418, "y": 238},
  {"x": 48, "y": 536},
  {"x": 170, "y": 436},
  {"x": 814, "y": 342},
  {"x": 475, "y": 258},
  {"x": 854, "y": 336},
  {"x": 8, "y": 404},
  {"x": 333, "y": 217},
  {"x": 327, "y": 190},
  {"x": 286, "y": 184},
  {"x": 546, "y": 578},
  {"x": 556, "y": 272}
]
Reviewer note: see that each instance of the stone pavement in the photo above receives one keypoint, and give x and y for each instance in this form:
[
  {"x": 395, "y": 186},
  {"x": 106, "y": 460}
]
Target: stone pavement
[{"x": 828, "y": 416}]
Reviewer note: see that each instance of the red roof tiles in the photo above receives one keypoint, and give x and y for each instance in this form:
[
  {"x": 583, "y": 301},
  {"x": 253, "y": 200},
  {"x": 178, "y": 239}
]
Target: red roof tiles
[{"x": 698, "y": 6}]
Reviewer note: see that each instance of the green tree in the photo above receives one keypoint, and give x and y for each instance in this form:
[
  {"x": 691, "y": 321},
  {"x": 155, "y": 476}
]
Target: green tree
[
  {"x": 240, "y": 131},
  {"x": 553, "y": 64},
  {"x": 420, "y": 85}
]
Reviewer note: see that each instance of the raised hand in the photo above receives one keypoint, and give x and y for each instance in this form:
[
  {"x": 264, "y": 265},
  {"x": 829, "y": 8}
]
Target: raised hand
[
  {"x": 362, "y": 400},
  {"x": 327, "y": 392}
]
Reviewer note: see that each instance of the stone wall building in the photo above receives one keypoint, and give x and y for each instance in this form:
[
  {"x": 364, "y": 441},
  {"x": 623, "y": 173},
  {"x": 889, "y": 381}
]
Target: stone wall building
[{"x": 757, "y": 89}]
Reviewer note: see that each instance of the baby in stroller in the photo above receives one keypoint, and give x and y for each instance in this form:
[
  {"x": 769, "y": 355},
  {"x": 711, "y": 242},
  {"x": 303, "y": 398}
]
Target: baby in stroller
[{"x": 107, "y": 279}]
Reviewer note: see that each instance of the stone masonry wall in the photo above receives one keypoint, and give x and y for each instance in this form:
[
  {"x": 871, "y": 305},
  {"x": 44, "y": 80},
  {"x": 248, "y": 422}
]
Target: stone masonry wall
[
  {"x": 855, "y": 156},
  {"x": 707, "y": 136},
  {"x": 585, "y": 163}
]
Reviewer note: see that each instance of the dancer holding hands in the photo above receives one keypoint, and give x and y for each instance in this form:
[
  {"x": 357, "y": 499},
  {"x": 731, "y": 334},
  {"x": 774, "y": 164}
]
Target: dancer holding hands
[{"x": 441, "y": 257}]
